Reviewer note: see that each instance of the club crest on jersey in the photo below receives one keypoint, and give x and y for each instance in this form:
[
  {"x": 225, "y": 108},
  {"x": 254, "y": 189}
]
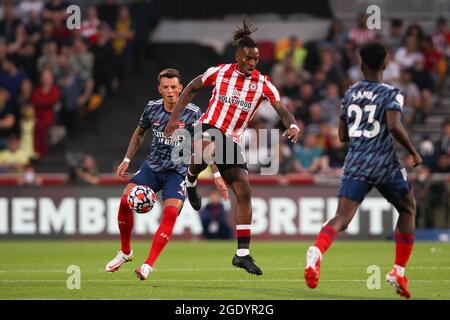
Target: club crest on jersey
[{"x": 253, "y": 86}]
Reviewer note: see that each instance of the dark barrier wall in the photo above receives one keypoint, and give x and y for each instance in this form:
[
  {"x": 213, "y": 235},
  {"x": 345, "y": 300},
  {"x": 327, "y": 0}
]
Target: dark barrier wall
[
  {"x": 294, "y": 212},
  {"x": 196, "y": 9}
]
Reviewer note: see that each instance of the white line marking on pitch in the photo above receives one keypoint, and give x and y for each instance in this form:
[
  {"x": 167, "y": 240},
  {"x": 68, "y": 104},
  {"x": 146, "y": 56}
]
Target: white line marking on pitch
[{"x": 214, "y": 280}]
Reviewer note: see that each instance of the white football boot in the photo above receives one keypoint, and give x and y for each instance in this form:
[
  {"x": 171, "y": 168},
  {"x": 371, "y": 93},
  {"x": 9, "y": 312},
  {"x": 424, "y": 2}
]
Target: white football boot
[
  {"x": 143, "y": 272},
  {"x": 120, "y": 259}
]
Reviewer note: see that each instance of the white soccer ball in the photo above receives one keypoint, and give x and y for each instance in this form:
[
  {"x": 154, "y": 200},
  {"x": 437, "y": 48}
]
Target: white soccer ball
[{"x": 141, "y": 199}]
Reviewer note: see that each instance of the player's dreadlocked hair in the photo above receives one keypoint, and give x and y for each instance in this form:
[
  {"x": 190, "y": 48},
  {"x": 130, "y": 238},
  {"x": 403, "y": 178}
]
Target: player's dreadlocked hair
[{"x": 241, "y": 37}]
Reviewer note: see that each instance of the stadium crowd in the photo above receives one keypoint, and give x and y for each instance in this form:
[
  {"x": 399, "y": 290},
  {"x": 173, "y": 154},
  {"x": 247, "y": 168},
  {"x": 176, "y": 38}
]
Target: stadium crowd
[
  {"x": 52, "y": 77},
  {"x": 312, "y": 78}
]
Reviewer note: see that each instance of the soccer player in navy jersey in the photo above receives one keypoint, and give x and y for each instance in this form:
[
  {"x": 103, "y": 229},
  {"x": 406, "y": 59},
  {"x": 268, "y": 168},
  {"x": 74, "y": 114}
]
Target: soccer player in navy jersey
[
  {"x": 370, "y": 120},
  {"x": 161, "y": 171}
]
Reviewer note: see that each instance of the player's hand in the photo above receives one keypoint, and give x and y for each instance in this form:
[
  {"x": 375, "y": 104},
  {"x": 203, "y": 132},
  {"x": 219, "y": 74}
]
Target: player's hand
[
  {"x": 122, "y": 170},
  {"x": 223, "y": 189},
  {"x": 417, "y": 159},
  {"x": 171, "y": 126},
  {"x": 293, "y": 134}
]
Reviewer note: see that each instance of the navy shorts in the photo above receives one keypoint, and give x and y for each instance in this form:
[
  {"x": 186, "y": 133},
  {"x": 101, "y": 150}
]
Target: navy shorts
[
  {"x": 392, "y": 191},
  {"x": 170, "y": 182}
]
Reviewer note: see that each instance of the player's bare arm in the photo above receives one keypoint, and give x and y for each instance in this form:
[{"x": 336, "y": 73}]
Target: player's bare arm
[
  {"x": 399, "y": 132},
  {"x": 293, "y": 132},
  {"x": 186, "y": 97},
  {"x": 135, "y": 142},
  {"x": 343, "y": 131}
]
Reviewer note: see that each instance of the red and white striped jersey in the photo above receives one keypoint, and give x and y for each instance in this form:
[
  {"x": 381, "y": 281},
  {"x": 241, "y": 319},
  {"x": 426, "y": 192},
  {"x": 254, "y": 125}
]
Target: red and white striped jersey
[{"x": 235, "y": 98}]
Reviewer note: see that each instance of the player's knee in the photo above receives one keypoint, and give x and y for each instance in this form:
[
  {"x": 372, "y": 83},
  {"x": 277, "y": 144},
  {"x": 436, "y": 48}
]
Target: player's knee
[{"x": 244, "y": 193}]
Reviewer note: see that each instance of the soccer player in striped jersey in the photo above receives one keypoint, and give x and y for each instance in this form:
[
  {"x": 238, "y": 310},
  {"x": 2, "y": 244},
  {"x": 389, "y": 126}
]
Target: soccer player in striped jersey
[
  {"x": 160, "y": 170},
  {"x": 238, "y": 90},
  {"x": 370, "y": 120}
]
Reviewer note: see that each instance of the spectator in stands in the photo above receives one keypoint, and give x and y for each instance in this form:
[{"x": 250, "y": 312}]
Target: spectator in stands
[
  {"x": 20, "y": 37},
  {"x": 45, "y": 97},
  {"x": 315, "y": 114},
  {"x": 308, "y": 155},
  {"x": 329, "y": 65},
  {"x": 14, "y": 158},
  {"x": 33, "y": 28},
  {"x": 29, "y": 177},
  {"x": 104, "y": 58},
  {"x": 82, "y": 59},
  {"x": 361, "y": 35},
  {"x": 70, "y": 83},
  {"x": 46, "y": 36},
  {"x": 306, "y": 99},
  {"x": 319, "y": 82},
  {"x": 90, "y": 26},
  {"x": 293, "y": 46},
  {"x": 7, "y": 119},
  {"x": 441, "y": 37},
  {"x": 9, "y": 22},
  {"x": 50, "y": 58},
  {"x": 443, "y": 145},
  {"x": 409, "y": 55},
  {"x": 28, "y": 61},
  {"x": 428, "y": 151},
  {"x": 415, "y": 31},
  {"x": 290, "y": 88},
  {"x": 336, "y": 36},
  {"x": 108, "y": 11},
  {"x": 280, "y": 71},
  {"x": 257, "y": 147},
  {"x": 17, "y": 84},
  {"x": 331, "y": 104},
  {"x": 434, "y": 63},
  {"x": 85, "y": 173},
  {"x": 394, "y": 39},
  {"x": 55, "y": 11},
  {"x": 145, "y": 19},
  {"x": 214, "y": 218},
  {"x": 27, "y": 7},
  {"x": 411, "y": 93},
  {"x": 333, "y": 158},
  {"x": 123, "y": 41},
  {"x": 425, "y": 83},
  {"x": 286, "y": 159},
  {"x": 391, "y": 74}
]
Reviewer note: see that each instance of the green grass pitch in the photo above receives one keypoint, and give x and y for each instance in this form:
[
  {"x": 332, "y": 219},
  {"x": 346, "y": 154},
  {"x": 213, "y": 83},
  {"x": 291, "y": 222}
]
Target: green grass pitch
[{"x": 195, "y": 270}]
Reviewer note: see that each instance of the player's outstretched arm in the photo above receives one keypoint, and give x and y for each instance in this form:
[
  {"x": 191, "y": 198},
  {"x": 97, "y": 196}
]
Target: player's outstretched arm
[
  {"x": 399, "y": 132},
  {"x": 186, "y": 96},
  {"x": 133, "y": 146},
  {"x": 343, "y": 131},
  {"x": 293, "y": 132}
]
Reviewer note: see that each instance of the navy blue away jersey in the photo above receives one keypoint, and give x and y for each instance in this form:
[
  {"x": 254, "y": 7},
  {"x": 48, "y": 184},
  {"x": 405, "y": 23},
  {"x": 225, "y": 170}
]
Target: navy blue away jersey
[
  {"x": 155, "y": 118},
  {"x": 371, "y": 156}
]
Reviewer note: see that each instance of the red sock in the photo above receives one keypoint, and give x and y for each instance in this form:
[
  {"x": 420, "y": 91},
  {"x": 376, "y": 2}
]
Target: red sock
[
  {"x": 125, "y": 220},
  {"x": 325, "y": 238},
  {"x": 163, "y": 234},
  {"x": 404, "y": 243}
]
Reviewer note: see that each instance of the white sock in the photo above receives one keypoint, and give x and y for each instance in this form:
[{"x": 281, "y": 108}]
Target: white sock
[
  {"x": 242, "y": 252},
  {"x": 400, "y": 270}
]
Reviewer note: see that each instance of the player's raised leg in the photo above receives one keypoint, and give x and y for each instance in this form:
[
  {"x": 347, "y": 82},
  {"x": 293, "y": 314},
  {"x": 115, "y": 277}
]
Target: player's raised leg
[
  {"x": 344, "y": 215},
  {"x": 125, "y": 222},
  {"x": 198, "y": 164},
  {"x": 237, "y": 178},
  {"x": 404, "y": 242}
]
